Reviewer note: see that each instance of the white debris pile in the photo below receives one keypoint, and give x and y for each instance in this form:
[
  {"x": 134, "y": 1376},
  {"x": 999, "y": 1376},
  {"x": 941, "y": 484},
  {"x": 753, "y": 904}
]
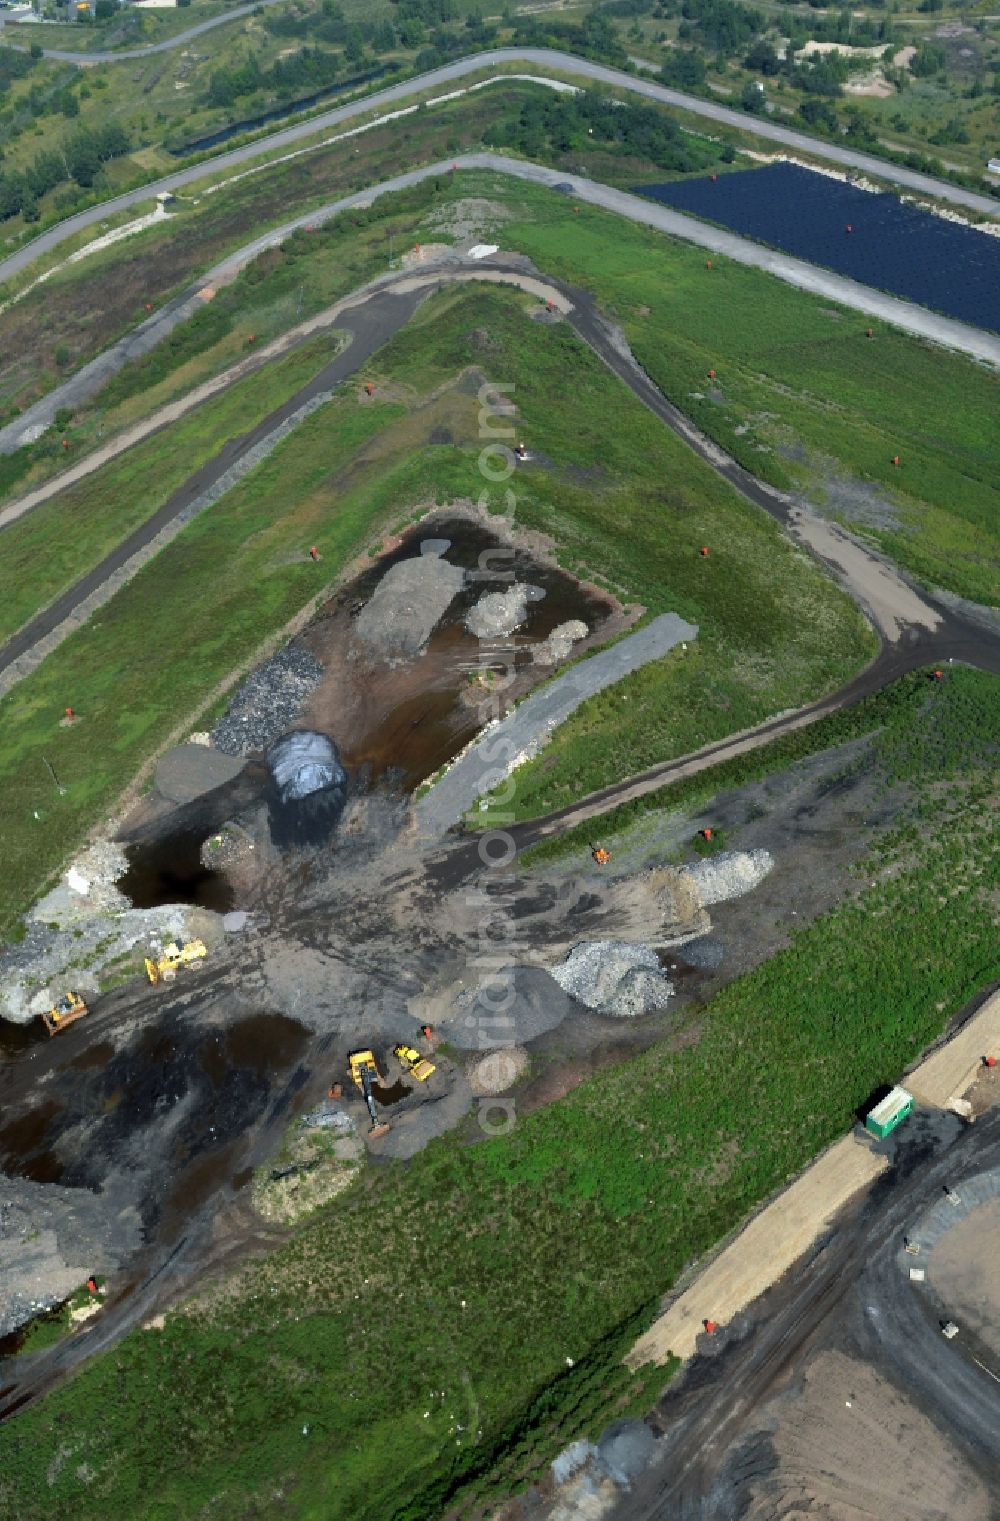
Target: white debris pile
[
  {"x": 556, "y": 648},
  {"x": 729, "y": 874},
  {"x": 615, "y": 977},
  {"x": 499, "y": 613}
]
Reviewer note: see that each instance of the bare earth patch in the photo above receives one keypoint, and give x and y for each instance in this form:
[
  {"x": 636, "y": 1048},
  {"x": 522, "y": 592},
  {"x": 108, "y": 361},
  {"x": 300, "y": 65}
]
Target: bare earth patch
[
  {"x": 965, "y": 1271},
  {"x": 851, "y": 1448}
]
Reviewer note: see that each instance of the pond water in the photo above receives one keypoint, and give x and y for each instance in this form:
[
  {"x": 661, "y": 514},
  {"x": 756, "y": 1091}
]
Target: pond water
[
  {"x": 893, "y": 247},
  {"x": 277, "y": 113}
]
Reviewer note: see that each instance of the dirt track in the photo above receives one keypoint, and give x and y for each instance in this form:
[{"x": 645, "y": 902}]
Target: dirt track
[{"x": 905, "y": 315}]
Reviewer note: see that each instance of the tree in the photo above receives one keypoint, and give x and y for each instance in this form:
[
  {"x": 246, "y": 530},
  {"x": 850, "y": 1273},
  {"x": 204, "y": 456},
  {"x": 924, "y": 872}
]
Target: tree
[
  {"x": 753, "y": 98},
  {"x": 354, "y": 45},
  {"x": 763, "y": 59}
]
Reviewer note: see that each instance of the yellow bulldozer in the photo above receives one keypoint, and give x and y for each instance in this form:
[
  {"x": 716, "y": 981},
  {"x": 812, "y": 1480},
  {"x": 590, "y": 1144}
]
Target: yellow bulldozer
[
  {"x": 164, "y": 969},
  {"x": 63, "y": 1013},
  {"x": 413, "y": 1063},
  {"x": 365, "y": 1074}
]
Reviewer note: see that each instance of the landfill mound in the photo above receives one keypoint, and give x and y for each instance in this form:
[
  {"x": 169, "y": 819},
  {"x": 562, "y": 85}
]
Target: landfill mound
[
  {"x": 268, "y": 702},
  {"x": 558, "y": 646},
  {"x": 500, "y": 613},
  {"x": 615, "y": 977},
  {"x": 729, "y": 874},
  {"x": 407, "y": 605}
]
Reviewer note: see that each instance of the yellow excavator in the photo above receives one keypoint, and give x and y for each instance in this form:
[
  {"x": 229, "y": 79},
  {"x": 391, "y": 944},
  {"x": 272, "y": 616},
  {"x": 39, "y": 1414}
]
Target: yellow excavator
[
  {"x": 365, "y": 1073},
  {"x": 164, "y": 969},
  {"x": 413, "y": 1063},
  {"x": 64, "y": 1012}
]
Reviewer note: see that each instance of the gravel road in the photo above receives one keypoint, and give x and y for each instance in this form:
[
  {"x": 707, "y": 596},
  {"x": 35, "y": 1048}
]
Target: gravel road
[
  {"x": 545, "y": 58},
  {"x": 523, "y": 732}
]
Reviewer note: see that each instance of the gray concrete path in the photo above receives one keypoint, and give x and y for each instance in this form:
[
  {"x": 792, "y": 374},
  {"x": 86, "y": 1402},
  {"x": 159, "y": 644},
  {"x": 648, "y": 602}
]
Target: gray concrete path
[
  {"x": 546, "y": 58},
  {"x": 495, "y": 754}
]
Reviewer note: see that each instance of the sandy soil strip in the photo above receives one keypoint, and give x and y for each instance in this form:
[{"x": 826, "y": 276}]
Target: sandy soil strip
[
  {"x": 877, "y": 585},
  {"x": 771, "y": 1243},
  {"x": 951, "y": 1071}
]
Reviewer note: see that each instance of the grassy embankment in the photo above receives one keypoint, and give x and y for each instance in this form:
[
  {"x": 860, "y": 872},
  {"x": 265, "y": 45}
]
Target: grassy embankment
[
  {"x": 49, "y": 548},
  {"x": 88, "y": 304},
  {"x": 630, "y": 508},
  {"x": 420, "y": 1328},
  {"x": 806, "y": 401}
]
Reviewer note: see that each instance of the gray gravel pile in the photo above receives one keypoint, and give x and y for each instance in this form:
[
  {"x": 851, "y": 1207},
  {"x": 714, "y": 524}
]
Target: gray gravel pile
[
  {"x": 729, "y": 874},
  {"x": 408, "y": 603},
  {"x": 329, "y": 1117},
  {"x": 615, "y": 977},
  {"x": 558, "y": 646},
  {"x": 707, "y": 953},
  {"x": 500, "y": 613},
  {"x": 75, "y": 931},
  {"x": 625, "y": 1450},
  {"x": 267, "y": 703},
  {"x": 518, "y": 1004},
  {"x": 52, "y": 1238}
]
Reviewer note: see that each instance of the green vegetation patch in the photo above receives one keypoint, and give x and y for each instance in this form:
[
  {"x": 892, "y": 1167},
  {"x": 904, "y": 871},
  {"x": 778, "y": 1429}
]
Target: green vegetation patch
[
  {"x": 433, "y": 1336},
  {"x": 800, "y": 396}
]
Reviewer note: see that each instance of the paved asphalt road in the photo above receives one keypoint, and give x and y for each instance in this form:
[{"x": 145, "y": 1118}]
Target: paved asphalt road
[
  {"x": 370, "y": 327},
  {"x": 541, "y": 57},
  {"x": 832, "y": 287},
  {"x": 178, "y": 40},
  {"x": 854, "y": 1281}
]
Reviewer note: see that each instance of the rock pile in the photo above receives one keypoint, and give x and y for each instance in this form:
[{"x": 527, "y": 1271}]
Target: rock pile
[
  {"x": 615, "y": 977},
  {"x": 498, "y": 1071},
  {"x": 729, "y": 874},
  {"x": 556, "y": 648},
  {"x": 499, "y": 613},
  {"x": 408, "y": 603},
  {"x": 268, "y": 702}
]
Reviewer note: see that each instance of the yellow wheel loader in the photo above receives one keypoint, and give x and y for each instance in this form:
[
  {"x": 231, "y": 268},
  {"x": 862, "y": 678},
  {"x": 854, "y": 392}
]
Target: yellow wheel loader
[
  {"x": 165, "y": 968},
  {"x": 413, "y": 1063}
]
